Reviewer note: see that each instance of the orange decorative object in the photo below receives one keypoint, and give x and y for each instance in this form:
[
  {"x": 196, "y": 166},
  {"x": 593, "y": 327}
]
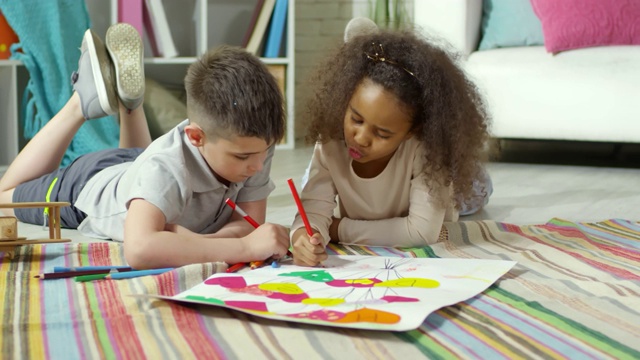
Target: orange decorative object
[
  {"x": 7, "y": 37},
  {"x": 369, "y": 315}
]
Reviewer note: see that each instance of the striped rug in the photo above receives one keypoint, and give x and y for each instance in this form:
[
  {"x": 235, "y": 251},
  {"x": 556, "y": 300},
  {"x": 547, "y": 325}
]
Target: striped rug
[{"x": 575, "y": 293}]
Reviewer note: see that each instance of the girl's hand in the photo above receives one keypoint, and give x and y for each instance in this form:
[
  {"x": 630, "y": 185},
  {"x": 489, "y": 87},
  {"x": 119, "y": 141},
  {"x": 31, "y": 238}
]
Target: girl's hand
[{"x": 308, "y": 251}]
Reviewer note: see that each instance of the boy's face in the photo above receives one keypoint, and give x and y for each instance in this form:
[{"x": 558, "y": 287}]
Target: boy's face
[
  {"x": 231, "y": 160},
  {"x": 375, "y": 124}
]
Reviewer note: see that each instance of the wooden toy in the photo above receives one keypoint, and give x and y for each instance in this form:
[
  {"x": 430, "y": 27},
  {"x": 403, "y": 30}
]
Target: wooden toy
[{"x": 9, "y": 238}]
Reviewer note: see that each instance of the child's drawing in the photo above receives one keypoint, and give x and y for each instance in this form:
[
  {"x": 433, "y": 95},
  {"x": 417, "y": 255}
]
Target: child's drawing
[{"x": 365, "y": 292}]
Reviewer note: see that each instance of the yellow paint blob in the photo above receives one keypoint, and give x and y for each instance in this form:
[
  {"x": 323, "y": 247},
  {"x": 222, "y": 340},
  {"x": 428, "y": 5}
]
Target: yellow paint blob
[
  {"x": 409, "y": 282},
  {"x": 322, "y": 301},
  {"x": 291, "y": 289},
  {"x": 359, "y": 281}
]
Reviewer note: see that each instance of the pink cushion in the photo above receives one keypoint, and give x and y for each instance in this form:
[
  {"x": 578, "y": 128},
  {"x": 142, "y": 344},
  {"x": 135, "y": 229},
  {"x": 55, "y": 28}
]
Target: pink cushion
[{"x": 574, "y": 24}]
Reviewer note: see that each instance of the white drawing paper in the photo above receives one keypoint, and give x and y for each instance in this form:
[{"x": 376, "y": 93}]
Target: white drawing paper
[{"x": 363, "y": 292}]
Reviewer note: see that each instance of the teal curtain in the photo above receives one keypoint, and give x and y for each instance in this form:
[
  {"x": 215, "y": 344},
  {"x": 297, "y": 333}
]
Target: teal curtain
[{"x": 50, "y": 34}]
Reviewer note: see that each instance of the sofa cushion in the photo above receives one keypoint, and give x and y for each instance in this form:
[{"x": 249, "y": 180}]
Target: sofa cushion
[
  {"x": 574, "y": 24},
  {"x": 587, "y": 94},
  {"x": 507, "y": 23}
]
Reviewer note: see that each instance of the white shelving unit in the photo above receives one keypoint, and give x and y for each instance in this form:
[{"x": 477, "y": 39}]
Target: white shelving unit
[
  {"x": 196, "y": 25},
  {"x": 13, "y": 79}
]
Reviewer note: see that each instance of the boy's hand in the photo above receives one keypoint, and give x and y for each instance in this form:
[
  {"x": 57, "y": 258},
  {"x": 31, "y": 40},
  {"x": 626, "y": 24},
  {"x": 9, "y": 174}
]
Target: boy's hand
[
  {"x": 307, "y": 251},
  {"x": 267, "y": 240}
]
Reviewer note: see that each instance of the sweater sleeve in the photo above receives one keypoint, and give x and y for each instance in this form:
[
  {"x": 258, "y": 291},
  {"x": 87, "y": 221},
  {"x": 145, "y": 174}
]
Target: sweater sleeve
[
  {"x": 422, "y": 224},
  {"x": 419, "y": 228},
  {"x": 318, "y": 196}
]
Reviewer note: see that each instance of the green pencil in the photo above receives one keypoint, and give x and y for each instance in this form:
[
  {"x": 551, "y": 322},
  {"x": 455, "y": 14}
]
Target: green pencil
[{"x": 121, "y": 275}]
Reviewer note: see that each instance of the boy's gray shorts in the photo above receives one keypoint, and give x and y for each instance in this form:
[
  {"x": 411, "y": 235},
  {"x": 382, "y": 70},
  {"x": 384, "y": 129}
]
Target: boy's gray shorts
[{"x": 67, "y": 187}]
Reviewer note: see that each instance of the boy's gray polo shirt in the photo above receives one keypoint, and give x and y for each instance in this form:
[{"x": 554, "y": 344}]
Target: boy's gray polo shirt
[{"x": 172, "y": 175}]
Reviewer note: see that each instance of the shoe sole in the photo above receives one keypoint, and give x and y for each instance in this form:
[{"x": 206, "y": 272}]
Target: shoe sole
[
  {"x": 99, "y": 58},
  {"x": 125, "y": 48}
]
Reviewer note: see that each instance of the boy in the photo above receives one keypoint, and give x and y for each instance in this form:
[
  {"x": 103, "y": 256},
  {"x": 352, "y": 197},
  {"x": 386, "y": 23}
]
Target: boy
[{"x": 166, "y": 202}]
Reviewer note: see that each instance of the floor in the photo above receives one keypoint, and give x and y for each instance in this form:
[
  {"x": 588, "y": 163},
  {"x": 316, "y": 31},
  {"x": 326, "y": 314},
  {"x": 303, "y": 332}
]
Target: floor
[{"x": 533, "y": 183}]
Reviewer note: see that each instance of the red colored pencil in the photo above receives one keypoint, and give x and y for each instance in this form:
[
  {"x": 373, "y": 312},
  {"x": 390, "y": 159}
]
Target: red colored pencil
[
  {"x": 235, "y": 267},
  {"x": 303, "y": 214},
  {"x": 249, "y": 219},
  {"x": 254, "y": 264},
  {"x": 241, "y": 212}
]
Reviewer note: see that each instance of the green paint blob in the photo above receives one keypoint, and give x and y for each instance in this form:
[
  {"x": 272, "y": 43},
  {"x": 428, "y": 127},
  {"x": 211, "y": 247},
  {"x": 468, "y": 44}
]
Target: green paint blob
[
  {"x": 315, "y": 275},
  {"x": 205, "y": 299}
]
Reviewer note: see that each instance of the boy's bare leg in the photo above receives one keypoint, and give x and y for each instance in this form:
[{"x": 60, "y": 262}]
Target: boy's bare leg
[
  {"x": 134, "y": 130},
  {"x": 45, "y": 151}
]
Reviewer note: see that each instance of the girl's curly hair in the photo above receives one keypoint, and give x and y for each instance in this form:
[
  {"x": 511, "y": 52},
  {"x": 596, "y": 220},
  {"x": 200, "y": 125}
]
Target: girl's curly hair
[{"x": 449, "y": 115}]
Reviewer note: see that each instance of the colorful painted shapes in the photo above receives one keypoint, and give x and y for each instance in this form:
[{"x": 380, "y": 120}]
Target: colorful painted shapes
[
  {"x": 360, "y": 315},
  {"x": 314, "y": 275},
  {"x": 285, "y": 288},
  {"x": 369, "y": 315},
  {"x": 357, "y": 283},
  {"x": 324, "y": 315},
  {"x": 409, "y": 282},
  {"x": 246, "y": 305},
  {"x": 229, "y": 282},
  {"x": 323, "y": 302}
]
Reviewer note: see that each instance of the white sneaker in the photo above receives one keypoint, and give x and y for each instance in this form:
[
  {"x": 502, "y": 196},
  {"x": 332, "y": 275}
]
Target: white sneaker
[
  {"x": 93, "y": 81},
  {"x": 127, "y": 54}
]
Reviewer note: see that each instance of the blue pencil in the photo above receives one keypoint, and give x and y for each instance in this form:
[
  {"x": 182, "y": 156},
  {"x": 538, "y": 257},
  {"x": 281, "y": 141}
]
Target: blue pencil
[
  {"x": 121, "y": 275},
  {"x": 88, "y": 268},
  {"x": 137, "y": 273}
]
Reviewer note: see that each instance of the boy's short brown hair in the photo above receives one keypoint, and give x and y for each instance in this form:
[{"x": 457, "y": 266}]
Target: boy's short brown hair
[{"x": 230, "y": 92}]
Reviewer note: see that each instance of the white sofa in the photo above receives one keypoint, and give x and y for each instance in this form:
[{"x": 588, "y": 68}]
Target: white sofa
[{"x": 590, "y": 94}]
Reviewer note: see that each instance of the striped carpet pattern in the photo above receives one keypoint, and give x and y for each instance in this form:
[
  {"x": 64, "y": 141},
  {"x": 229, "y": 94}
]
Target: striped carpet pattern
[{"x": 574, "y": 293}]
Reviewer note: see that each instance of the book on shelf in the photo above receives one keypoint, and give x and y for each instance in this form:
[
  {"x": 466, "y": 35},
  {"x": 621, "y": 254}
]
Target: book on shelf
[
  {"x": 131, "y": 12},
  {"x": 158, "y": 31},
  {"x": 283, "y": 45},
  {"x": 252, "y": 23},
  {"x": 257, "y": 35},
  {"x": 279, "y": 72},
  {"x": 276, "y": 29}
]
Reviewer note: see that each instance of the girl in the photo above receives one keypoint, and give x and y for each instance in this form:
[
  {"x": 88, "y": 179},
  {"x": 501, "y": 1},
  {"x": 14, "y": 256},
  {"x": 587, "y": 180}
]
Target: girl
[{"x": 399, "y": 132}]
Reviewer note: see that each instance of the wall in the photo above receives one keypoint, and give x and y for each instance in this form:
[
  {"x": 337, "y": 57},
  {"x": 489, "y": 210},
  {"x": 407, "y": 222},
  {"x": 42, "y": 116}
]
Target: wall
[{"x": 319, "y": 27}]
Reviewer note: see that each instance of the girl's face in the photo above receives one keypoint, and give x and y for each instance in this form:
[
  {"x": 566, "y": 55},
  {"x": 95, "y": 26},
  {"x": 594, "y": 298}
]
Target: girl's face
[{"x": 375, "y": 124}]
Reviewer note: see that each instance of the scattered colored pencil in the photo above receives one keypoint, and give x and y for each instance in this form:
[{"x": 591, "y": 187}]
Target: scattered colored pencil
[
  {"x": 253, "y": 264},
  {"x": 69, "y": 274},
  {"x": 235, "y": 267},
  {"x": 121, "y": 275},
  {"x": 90, "y": 268},
  {"x": 303, "y": 214},
  {"x": 250, "y": 220}
]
